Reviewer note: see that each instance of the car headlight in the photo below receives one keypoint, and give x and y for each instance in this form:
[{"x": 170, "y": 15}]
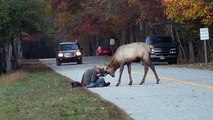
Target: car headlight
[
  {"x": 173, "y": 51},
  {"x": 60, "y": 54},
  {"x": 78, "y": 53},
  {"x": 152, "y": 50}
]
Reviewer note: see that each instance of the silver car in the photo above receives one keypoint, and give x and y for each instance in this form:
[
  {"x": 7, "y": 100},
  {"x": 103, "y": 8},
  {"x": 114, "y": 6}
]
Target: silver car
[{"x": 68, "y": 52}]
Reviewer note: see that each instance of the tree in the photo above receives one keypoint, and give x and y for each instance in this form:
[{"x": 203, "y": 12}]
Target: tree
[
  {"x": 189, "y": 10},
  {"x": 95, "y": 21},
  {"x": 192, "y": 14},
  {"x": 16, "y": 17}
]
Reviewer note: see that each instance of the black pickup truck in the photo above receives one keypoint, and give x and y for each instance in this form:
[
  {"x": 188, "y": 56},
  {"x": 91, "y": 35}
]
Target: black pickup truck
[{"x": 165, "y": 49}]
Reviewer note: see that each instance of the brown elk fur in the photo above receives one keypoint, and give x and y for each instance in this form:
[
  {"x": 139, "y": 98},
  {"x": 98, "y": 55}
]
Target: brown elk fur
[{"x": 125, "y": 55}]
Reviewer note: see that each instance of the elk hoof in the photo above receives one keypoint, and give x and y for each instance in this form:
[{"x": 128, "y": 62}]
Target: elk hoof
[
  {"x": 157, "y": 82},
  {"x": 141, "y": 83},
  {"x": 117, "y": 84},
  {"x": 130, "y": 83}
]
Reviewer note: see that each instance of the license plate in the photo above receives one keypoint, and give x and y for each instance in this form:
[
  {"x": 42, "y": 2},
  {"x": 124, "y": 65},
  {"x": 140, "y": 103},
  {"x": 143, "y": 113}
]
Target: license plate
[
  {"x": 68, "y": 55},
  {"x": 162, "y": 57}
]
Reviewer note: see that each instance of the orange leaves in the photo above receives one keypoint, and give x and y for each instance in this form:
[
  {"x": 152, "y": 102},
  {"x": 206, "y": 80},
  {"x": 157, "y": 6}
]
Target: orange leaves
[
  {"x": 186, "y": 10},
  {"x": 151, "y": 10},
  {"x": 132, "y": 2}
]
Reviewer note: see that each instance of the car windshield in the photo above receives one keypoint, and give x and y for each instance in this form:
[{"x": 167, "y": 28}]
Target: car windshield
[
  {"x": 63, "y": 47},
  {"x": 157, "y": 40}
]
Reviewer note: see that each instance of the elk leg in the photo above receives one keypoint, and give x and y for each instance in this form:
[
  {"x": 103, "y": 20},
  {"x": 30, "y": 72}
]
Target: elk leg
[
  {"x": 146, "y": 68},
  {"x": 121, "y": 71},
  {"x": 129, "y": 71},
  {"x": 156, "y": 76}
]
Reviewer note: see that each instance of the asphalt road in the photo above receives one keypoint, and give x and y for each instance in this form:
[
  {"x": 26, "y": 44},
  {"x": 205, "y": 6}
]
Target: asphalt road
[{"x": 183, "y": 94}]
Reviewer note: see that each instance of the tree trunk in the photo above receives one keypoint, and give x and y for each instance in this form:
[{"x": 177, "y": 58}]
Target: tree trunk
[
  {"x": 180, "y": 47},
  {"x": 191, "y": 52},
  {"x": 97, "y": 40},
  {"x": 171, "y": 31},
  {"x": 123, "y": 36},
  {"x": 8, "y": 57},
  {"x": 174, "y": 34},
  {"x": 131, "y": 34},
  {"x": 1, "y": 61},
  {"x": 15, "y": 53},
  {"x": 210, "y": 49}
]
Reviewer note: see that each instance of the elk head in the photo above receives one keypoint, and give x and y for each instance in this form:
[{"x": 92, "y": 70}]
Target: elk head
[{"x": 109, "y": 70}]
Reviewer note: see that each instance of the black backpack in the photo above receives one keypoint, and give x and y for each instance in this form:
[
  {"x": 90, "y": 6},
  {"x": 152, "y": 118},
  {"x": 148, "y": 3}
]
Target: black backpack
[{"x": 77, "y": 84}]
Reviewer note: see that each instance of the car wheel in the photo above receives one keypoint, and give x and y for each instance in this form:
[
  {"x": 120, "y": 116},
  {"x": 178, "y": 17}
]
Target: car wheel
[
  {"x": 79, "y": 62},
  {"x": 58, "y": 63},
  {"x": 173, "y": 61}
]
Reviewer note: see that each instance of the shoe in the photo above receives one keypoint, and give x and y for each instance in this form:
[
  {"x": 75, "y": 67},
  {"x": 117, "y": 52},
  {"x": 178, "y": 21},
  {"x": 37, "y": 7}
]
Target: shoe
[{"x": 106, "y": 84}]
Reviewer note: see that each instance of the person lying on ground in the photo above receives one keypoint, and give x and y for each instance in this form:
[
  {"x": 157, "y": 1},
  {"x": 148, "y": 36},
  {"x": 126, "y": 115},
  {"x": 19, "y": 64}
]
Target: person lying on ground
[{"x": 93, "y": 77}]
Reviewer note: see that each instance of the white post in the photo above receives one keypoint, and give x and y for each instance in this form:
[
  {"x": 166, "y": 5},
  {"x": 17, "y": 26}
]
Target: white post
[{"x": 205, "y": 52}]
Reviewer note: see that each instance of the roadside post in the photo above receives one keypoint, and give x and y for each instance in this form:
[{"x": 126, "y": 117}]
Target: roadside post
[
  {"x": 204, "y": 35},
  {"x": 112, "y": 43}
]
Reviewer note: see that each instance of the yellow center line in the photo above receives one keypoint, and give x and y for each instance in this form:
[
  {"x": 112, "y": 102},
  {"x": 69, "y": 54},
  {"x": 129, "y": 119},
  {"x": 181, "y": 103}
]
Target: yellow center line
[{"x": 176, "y": 80}]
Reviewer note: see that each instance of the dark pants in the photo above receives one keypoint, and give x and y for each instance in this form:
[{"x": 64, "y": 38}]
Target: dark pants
[{"x": 98, "y": 83}]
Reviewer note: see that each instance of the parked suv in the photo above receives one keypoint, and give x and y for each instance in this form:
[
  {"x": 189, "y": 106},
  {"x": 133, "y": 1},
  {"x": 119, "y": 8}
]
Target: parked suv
[
  {"x": 68, "y": 52},
  {"x": 164, "y": 49}
]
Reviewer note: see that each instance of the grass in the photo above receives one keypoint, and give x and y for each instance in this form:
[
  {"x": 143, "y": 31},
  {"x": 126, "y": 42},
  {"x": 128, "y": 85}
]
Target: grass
[{"x": 37, "y": 93}]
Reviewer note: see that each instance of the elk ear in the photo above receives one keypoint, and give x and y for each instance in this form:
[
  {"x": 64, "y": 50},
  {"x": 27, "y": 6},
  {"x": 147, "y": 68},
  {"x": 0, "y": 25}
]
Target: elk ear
[
  {"x": 105, "y": 72},
  {"x": 105, "y": 68}
]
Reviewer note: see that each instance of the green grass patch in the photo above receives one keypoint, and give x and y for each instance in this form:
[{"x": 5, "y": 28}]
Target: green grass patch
[{"x": 42, "y": 94}]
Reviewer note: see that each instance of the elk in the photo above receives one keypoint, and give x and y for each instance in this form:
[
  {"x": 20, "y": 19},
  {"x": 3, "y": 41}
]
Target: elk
[{"x": 125, "y": 55}]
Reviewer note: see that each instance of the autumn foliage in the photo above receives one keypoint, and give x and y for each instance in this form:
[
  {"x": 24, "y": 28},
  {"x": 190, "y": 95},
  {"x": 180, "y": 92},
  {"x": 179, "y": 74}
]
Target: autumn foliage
[
  {"x": 133, "y": 20},
  {"x": 186, "y": 10}
]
